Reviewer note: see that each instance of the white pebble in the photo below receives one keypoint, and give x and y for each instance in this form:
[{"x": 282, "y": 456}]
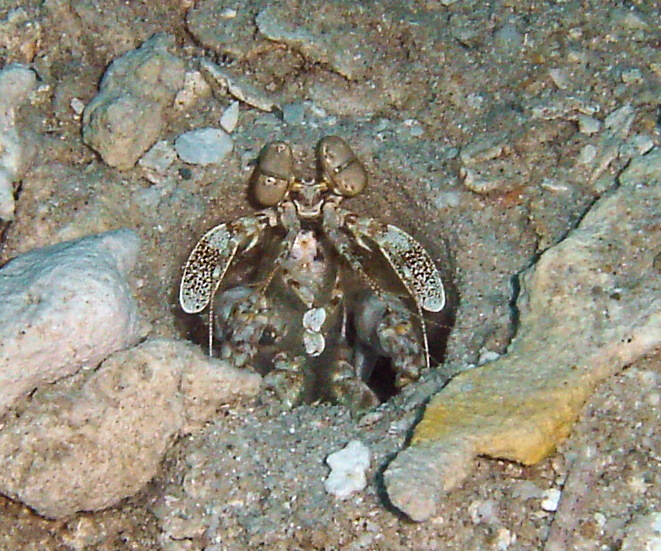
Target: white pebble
[
  {"x": 588, "y": 155},
  {"x": 632, "y": 76},
  {"x": 550, "y": 500},
  {"x": 348, "y": 467},
  {"x": 77, "y": 106},
  {"x": 230, "y": 117},
  {"x": 205, "y": 146},
  {"x": 487, "y": 356},
  {"x": 559, "y": 78},
  {"x": 588, "y": 125}
]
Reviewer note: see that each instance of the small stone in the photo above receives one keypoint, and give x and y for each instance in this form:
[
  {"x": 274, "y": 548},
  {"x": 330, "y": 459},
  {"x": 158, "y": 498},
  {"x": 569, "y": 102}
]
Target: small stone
[
  {"x": 588, "y": 155},
  {"x": 550, "y": 500},
  {"x": 629, "y": 19},
  {"x": 227, "y": 28},
  {"x": 508, "y": 38},
  {"x": 504, "y": 538},
  {"x": 194, "y": 88},
  {"x": 348, "y": 467},
  {"x": 556, "y": 186},
  {"x": 632, "y": 76},
  {"x": 474, "y": 181},
  {"x": 205, "y": 146},
  {"x": 559, "y": 78},
  {"x": 482, "y": 150},
  {"x": 16, "y": 83},
  {"x": 415, "y": 128},
  {"x": 293, "y": 113},
  {"x": 238, "y": 87},
  {"x": 327, "y": 44},
  {"x": 487, "y": 356},
  {"x": 230, "y": 117},
  {"x": 159, "y": 158},
  {"x": 588, "y": 125},
  {"x": 474, "y": 101},
  {"x": 620, "y": 119},
  {"x": 526, "y": 489},
  {"x": 77, "y": 106},
  {"x": 635, "y": 146}
]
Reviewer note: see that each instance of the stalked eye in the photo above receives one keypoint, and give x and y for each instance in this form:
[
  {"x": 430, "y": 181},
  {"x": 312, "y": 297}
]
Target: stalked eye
[
  {"x": 340, "y": 167},
  {"x": 273, "y": 174}
]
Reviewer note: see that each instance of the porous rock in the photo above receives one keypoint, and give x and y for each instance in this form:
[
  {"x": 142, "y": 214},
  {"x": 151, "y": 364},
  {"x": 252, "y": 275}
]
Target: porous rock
[
  {"x": 95, "y": 438},
  {"x": 126, "y": 117},
  {"x": 590, "y": 306},
  {"x": 208, "y": 383},
  {"x": 16, "y": 83},
  {"x": 348, "y": 467},
  {"x": 64, "y": 307}
]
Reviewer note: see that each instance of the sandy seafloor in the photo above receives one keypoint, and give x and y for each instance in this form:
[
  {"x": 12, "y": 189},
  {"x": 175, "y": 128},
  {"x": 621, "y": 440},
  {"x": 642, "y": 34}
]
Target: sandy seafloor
[{"x": 514, "y": 94}]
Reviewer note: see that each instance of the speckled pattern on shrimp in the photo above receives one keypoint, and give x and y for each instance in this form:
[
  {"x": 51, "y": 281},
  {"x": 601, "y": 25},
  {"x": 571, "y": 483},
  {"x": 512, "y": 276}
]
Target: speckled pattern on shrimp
[{"x": 319, "y": 309}]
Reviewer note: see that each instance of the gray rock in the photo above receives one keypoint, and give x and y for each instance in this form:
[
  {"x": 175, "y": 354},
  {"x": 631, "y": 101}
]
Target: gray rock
[
  {"x": 508, "y": 38},
  {"x": 205, "y": 146},
  {"x": 643, "y": 533},
  {"x": 237, "y": 86},
  {"x": 588, "y": 125},
  {"x": 10, "y": 165},
  {"x": 64, "y": 307},
  {"x": 93, "y": 439},
  {"x": 226, "y": 27},
  {"x": 16, "y": 83},
  {"x": 487, "y": 165},
  {"x": 590, "y": 306},
  {"x": 643, "y": 169},
  {"x": 230, "y": 117},
  {"x": 321, "y": 40},
  {"x": 125, "y": 119}
]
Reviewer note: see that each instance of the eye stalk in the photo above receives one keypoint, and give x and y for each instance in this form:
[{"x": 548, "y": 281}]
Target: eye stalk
[
  {"x": 339, "y": 166},
  {"x": 273, "y": 174}
]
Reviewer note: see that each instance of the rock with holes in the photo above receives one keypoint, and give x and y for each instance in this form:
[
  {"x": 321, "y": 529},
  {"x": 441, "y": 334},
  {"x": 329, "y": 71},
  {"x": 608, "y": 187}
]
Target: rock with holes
[
  {"x": 126, "y": 118},
  {"x": 348, "y": 467},
  {"x": 65, "y": 307},
  {"x": 93, "y": 439}
]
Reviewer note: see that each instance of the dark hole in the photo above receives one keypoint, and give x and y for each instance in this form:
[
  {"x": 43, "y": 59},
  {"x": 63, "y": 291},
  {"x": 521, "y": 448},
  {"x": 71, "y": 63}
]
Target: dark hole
[{"x": 382, "y": 380}]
